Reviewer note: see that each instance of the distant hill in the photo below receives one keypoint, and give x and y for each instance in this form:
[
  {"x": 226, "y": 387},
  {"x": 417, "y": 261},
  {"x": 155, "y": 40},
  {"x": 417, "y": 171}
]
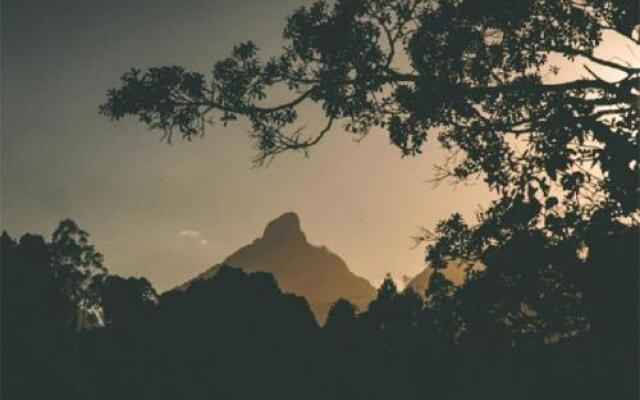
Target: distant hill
[
  {"x": 420, "y": 282},
  {"x": 299, "y": 267}
]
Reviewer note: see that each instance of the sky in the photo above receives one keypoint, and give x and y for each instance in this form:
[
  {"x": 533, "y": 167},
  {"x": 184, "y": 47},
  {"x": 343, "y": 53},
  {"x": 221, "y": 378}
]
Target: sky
[{"x": 168, "y": 212}]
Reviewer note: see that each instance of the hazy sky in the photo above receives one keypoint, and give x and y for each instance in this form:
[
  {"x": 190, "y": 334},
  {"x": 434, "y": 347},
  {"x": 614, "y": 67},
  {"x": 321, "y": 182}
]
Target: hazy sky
[{"x": 169, "y": 212}]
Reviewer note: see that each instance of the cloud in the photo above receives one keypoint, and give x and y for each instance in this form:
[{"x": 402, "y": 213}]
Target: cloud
[
  {"x": 193, "y": 235},
  {"x": 190, "y": 234}
]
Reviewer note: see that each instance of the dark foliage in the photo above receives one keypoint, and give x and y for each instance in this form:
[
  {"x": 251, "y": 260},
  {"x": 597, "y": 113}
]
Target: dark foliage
[
  {"x": 474, "y": 74},
  {"x": 237, "y": 336}
]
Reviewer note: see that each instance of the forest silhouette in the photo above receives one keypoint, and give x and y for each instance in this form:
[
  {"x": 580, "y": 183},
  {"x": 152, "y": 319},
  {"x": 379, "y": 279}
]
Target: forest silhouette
[
  {"x": 548, "y": 308},
  {"x": 71, "y": 330}
]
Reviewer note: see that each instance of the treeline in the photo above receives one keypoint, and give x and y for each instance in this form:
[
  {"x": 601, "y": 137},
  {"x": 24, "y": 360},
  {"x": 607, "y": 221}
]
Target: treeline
[{"x": 516, "y": 329}]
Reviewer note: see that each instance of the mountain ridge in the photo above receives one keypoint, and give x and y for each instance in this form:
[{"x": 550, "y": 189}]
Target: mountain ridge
[{"x": 299, "y": 267}]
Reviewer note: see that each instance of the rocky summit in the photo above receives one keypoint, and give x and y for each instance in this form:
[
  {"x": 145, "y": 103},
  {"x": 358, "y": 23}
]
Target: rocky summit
[{"x": 299, "y": 267}]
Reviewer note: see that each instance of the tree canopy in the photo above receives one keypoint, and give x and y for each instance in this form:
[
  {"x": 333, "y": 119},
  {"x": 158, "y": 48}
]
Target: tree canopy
[
  {"x": 478, "y": 76},
  {"x": 473, "y": 74},
  {"x": 237, "y": 335}
]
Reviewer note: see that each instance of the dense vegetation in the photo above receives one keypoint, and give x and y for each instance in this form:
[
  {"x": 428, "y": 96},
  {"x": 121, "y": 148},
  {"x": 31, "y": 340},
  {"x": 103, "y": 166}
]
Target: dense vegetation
[{"x": 73, "y": 331}]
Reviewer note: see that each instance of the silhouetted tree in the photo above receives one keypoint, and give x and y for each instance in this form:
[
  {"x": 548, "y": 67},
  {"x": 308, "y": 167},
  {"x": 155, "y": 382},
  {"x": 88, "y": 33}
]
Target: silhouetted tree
[
  {"x": 75, "y": 264},
  {"x": 474, "y": 71},
  {"x": 126, "y": 302},
  {"x": 342, "y": 315},
  {"x": 611, "y": 296},
  {"x": 45, "y": 289},
  {"x": 234, "y": 336}
]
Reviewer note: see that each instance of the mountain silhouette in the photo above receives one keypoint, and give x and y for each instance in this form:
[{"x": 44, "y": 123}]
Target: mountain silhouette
[
  {"x": 454, "y": 272},
  {"x": 299, "y": 267},
  {"x": 420, "y": 282}
]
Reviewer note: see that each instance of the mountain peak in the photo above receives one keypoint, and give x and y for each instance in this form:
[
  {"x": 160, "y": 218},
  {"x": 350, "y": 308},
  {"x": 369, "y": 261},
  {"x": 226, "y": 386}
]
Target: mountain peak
[
  {"x": 285, "y": 228},
  {"x": 299, "y": 267}
]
